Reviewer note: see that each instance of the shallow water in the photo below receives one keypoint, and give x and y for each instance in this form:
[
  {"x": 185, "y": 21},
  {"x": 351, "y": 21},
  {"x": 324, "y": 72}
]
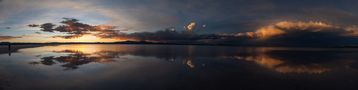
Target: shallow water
[{"x": 178, "y": 67}]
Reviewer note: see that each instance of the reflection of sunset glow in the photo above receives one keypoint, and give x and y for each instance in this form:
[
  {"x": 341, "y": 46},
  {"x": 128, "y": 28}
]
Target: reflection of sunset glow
[
  {"x": 78, "y": 55},
  {"x": 282, "y": 67},
  {"x": 275, "y": 59},
  {"x": 263, "y": 58},
  {"x": 302, "y": 69},
  {"x": 189, "y": 63},
  {"x": 85, "y": 48},
  {"x": 79, "y": 48}
]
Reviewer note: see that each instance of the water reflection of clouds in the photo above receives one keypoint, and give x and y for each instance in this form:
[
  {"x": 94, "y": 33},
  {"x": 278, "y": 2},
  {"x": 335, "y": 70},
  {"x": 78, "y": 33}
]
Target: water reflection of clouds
[
  {"x": 282, "y": 60},
  {"x": 73, "y": 59},
  {"x": 301, "y": 61},
  {"x": 146, "y": 66},
  {"x": 282, "y": 66}
]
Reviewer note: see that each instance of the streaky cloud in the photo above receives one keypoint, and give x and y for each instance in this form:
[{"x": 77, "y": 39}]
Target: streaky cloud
[{"x": 8, "y": 37}]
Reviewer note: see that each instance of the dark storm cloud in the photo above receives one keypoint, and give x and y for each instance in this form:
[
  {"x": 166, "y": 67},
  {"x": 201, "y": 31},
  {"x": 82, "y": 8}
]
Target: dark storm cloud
[
  {"x": 33, "y": 25},
  {"x": 74, "y": 29},
  {"x": 161, "y": 35}
]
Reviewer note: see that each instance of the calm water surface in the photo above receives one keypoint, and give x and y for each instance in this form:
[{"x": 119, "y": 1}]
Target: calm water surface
[{"x": 173, "y": 67}]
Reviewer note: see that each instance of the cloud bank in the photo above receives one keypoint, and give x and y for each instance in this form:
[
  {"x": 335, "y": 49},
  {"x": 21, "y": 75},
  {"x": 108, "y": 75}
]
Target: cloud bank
[
  {"x": 75, "y": 29},
  {"x": 72, "y": 28},
  {"x": 299, "y": 32},
  {"x": 279, "y": 33}
]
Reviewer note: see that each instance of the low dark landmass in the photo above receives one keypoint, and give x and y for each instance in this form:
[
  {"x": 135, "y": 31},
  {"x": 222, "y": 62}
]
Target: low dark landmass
[
  {"x": 4, "y": 45},
  {"x": 124, "y": 42}
]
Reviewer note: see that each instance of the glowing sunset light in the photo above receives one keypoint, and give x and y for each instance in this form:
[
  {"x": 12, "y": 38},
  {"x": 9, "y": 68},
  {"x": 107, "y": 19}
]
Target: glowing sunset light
[{"x": 190, "y": 26}]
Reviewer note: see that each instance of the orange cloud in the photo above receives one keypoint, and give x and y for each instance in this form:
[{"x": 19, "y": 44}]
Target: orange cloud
[
  {"x": 289, "y": 27},
  {"x": 190, "y": 26},
  {"x": 267, "y": 32},
  {"x": 311, "y": 25}
]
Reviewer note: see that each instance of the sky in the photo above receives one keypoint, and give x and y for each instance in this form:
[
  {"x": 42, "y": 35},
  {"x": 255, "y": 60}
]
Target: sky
[{"x": 276, "y": 21}]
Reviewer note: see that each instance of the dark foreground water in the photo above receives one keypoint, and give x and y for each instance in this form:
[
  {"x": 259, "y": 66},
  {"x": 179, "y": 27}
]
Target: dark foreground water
[{"x": 171, "y": 67}]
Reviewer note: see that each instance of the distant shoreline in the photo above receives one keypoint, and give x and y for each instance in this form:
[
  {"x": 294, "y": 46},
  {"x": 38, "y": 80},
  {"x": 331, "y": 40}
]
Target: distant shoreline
[
  {"x": 17, "y": 46},
  {"x": 151, "y": 43}
]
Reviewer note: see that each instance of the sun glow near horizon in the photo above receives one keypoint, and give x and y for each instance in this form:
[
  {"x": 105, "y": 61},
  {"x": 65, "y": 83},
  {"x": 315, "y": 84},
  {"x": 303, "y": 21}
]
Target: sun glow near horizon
[
  {"x": 90, "y": 38},
  {"x": 85, "y": 38}
]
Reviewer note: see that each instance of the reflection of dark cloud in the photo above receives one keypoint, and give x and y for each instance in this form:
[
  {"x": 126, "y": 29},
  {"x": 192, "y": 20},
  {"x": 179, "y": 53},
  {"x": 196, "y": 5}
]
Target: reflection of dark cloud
[
  {"x": 276, "y": 59},
  {"x": 76, "y": 58},
  {"x": 273, "y": 66},
  {"x": 311, "y": 56}
]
